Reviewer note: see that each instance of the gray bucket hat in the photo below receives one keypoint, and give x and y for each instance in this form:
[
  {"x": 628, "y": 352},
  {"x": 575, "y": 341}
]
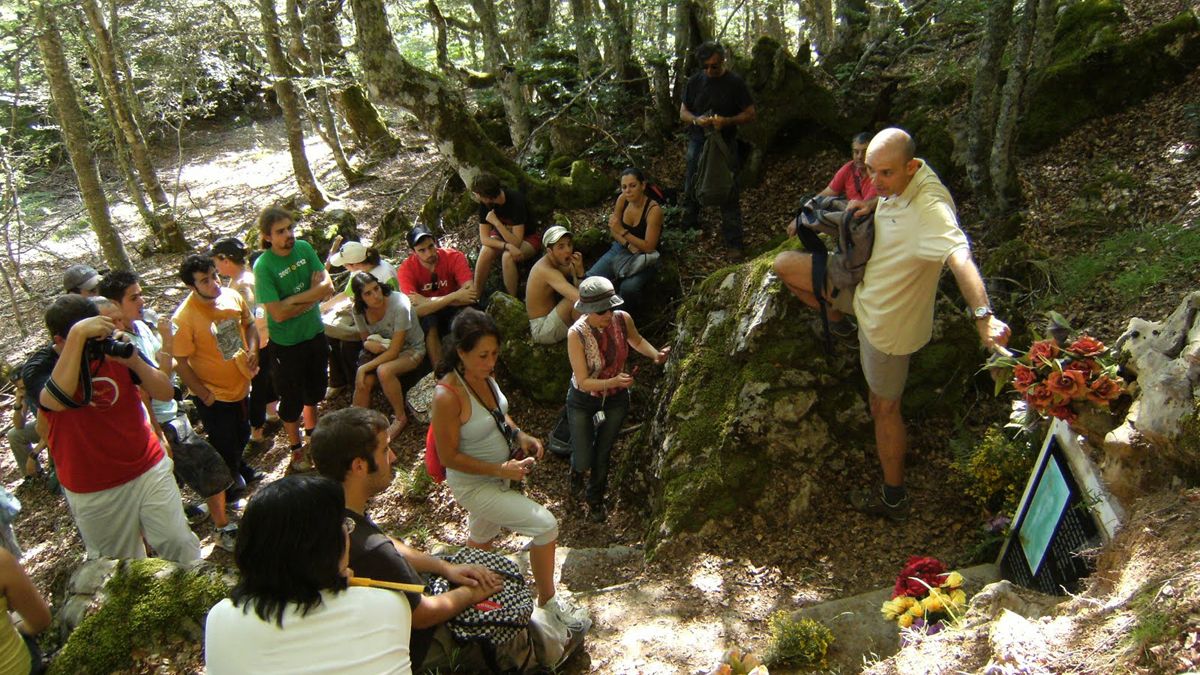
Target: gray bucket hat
[
  {"x": 596, "y": 294},
  {"x": 80, "y": 277}
]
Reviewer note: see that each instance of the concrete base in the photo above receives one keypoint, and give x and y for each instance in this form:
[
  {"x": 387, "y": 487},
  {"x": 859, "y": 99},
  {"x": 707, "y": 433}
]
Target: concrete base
[{"x": 860, "y": 631}]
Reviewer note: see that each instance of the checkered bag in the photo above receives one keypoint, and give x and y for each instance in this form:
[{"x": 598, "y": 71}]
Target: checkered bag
[{"x": 498, "y": 619}]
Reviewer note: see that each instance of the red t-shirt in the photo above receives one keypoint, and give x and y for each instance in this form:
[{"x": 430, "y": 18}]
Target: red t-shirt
[
  {"x": 451, "y": 269},
  {"x": 844, "y": 183},
  {"x": 107, "y": 442}
]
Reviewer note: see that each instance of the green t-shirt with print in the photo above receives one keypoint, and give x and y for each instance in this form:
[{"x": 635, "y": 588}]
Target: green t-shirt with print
[{"x": 279, "y": 277}]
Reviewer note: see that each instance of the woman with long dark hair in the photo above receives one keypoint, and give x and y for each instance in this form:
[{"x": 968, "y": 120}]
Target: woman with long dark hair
[
  {"x": 484, "y": 451},
  {"x": 392, "y": 344},
  {"x": 635, "y": 225},
  {"x": 293, "y": 610}
]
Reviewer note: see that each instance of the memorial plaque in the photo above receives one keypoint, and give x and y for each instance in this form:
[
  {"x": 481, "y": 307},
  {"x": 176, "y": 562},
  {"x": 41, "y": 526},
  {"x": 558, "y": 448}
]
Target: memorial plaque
[{"x": 1054, "y": 525}]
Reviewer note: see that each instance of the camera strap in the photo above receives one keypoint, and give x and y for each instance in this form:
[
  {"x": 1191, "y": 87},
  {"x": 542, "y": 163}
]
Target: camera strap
[
  {"x": 59, "y": 395},
  {"x": 497, "y": 414}
]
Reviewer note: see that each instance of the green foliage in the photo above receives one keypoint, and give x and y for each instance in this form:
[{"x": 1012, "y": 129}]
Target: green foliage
[
  {"x": 1127, "y": 264},
  {"x": 995, "y": 469},
  {"x": 797, "y": 642},
  {"x": 146, "y": 602},
  {"x": 415, "y": 482}
]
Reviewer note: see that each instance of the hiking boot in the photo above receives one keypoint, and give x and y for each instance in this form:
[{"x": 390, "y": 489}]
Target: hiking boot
[
  {"x": 250, "y": 474},
  {"x": 597, "y": 513},
  {"x": 299, "y": 464},
  {"x": 871, "y": 502},
  {"x": 567, "y": 613},
  {"x": 227, "y": 537}
]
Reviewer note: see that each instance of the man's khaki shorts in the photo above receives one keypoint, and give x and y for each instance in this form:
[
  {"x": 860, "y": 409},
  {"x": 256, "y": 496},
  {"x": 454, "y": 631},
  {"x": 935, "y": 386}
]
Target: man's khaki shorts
[
  {"x": 885, "y": 373},
  {"x": 549, "y": 329}
]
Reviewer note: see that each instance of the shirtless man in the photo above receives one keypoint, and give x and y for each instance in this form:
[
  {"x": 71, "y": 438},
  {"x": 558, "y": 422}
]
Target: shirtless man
[{"x": 553, "y": 288}]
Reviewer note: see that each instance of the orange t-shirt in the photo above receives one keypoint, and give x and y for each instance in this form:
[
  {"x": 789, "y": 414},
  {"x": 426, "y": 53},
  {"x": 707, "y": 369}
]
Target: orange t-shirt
[{"x": 213, "y": 340}]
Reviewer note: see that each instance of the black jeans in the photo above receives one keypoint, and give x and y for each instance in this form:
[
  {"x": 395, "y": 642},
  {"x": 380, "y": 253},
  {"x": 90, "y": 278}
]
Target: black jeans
[
  {"x": 301, "y": 373},
  {"x": 228, "y": 427},
  {"x": 262, "y": 388},
  {"x": 592, "y": 446}
]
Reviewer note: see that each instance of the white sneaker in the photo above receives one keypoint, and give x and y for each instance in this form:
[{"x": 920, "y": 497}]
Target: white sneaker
[
  {"x": 227, "y": 537},
  {"x": 567, "y": 613}
]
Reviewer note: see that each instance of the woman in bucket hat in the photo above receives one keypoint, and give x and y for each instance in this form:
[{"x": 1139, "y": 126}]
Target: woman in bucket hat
[{"x": 598, "y": 345}]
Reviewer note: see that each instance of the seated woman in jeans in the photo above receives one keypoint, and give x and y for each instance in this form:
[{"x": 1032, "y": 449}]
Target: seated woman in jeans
[
  {"x": 598, "y": 345},
  {"x": 293, "y": 610},
  {"x": 635, "y": 225},
  {"x": 392, "y": 344}
]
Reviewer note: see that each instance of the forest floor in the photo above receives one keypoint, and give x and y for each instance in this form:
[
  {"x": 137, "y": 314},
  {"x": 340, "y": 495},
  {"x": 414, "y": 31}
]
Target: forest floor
[{"x": 679, "y": 612}]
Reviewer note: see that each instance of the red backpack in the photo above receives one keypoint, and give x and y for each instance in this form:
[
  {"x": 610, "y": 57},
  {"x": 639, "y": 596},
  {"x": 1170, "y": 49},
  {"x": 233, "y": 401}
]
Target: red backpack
[{"x": 433, "y": 463}]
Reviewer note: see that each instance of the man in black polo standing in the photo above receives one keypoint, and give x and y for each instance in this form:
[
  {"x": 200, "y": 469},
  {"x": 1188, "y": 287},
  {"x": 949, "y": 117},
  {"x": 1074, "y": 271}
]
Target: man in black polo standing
[{"x": 719, "y": 100}]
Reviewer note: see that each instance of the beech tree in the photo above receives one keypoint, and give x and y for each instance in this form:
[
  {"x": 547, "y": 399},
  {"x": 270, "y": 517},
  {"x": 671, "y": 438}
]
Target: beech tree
[
  {"x": 289, "y": 102},
  {"x": 75, "y": 135}
]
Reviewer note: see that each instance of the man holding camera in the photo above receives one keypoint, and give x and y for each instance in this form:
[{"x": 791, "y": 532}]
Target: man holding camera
[{"x": 116, "y": 478}]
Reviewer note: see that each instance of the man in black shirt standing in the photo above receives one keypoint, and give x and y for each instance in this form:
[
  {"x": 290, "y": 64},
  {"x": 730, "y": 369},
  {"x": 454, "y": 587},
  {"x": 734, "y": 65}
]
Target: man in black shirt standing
[{"x": 719, "y": 100}]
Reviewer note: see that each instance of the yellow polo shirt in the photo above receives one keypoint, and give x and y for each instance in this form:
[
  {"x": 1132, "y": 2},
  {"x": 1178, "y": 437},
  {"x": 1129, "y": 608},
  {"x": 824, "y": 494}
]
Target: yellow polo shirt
[{"x": 915, "y": 232}]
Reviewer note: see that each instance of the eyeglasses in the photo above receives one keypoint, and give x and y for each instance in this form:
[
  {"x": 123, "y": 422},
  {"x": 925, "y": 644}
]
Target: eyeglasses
[{"x": 348, "y": 524}]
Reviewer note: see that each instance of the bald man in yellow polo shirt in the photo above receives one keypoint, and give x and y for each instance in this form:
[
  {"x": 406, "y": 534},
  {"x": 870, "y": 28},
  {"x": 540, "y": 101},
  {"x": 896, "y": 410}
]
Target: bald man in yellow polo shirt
[{"x": 916, "y": 234}]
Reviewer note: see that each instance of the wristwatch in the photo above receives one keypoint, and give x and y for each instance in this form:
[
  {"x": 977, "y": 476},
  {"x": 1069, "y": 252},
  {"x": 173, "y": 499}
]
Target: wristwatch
[{"x": 981, "y": 312}]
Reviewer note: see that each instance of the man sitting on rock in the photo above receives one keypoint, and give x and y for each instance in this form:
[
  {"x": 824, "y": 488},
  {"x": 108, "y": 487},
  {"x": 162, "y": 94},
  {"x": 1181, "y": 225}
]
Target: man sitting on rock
[
  {"x": 852, "y": 181},
  {"x": 116, "y": 478},
  {"x": 506, "y": 229},
  {"x": 439, "y": 284},
  {"x": 351, "y": 446},
  {"x": 553, "y": 288},
  {"x": 916, "y": 234}
]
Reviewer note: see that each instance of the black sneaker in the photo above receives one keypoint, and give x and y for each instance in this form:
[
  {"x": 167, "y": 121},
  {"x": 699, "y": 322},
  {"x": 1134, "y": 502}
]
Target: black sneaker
[
  {"x": 871, "y": 502},
  {"x": 195, "y": 513}
]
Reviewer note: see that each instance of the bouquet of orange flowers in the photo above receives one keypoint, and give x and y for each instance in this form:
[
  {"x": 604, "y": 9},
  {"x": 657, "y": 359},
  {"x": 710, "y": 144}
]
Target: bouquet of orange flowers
[
  {"x": 1061, "y": 377},
  {"x": 925, "y": 595}
]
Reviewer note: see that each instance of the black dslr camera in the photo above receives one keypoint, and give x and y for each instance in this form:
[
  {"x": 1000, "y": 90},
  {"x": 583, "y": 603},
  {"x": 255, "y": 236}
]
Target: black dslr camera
[{"x": 98, "y": 348}]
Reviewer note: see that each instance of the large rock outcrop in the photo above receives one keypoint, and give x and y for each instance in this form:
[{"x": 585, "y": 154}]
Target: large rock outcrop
[
  {"x": 753, "y": 413},
  {"x": 541, "y": 371}
]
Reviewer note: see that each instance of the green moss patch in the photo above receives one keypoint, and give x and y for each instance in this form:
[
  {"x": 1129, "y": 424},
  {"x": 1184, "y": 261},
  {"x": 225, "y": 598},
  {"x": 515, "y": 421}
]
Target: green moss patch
[
  {"x": 147, "y": 602},
  {"x": 1127, "y": 264}
]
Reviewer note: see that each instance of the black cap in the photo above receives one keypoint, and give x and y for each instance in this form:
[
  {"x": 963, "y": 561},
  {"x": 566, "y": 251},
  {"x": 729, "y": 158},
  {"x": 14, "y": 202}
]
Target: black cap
[
  {"x": 416, "y": 234},
  {"x": 230, "y": 247}
]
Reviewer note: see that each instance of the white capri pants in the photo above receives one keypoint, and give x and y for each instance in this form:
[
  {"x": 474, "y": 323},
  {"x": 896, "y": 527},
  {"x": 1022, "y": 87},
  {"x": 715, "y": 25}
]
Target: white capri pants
[{"x": 491, "y": 506}]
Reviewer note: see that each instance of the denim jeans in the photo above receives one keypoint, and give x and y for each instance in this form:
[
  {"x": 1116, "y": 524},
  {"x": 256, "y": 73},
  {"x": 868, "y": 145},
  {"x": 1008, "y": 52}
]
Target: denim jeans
[
  {"x": 731, "y": 210},
  {"x": 629, "y": 288},
  {"x": 591, "y": 447}
]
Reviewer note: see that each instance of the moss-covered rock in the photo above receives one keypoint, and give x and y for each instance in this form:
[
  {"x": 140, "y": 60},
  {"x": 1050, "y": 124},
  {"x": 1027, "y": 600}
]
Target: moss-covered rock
[
  {"x": 143, "y": 603},
  {"x": 541, "y": 371},
  {"x": 1086, "y": 83},
  {"x": 753, "y": 413},
  {"x": 321, "y": 227}
]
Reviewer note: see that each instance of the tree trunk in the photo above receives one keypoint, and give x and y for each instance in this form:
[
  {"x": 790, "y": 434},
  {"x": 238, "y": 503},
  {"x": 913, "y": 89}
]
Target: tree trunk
[
  {"x": 515, "y": 109},
  {"x": 309, "y": 26},
  {"x": 1005, "y": 193},
  {"x": 75, "y": 137},
  {"x": 165, "y": 227},
  {"x": 534, "y": 21},
  {"x": 441, "y": 42},
  {"x": 981, "y": 116},
  {"x": 443, "y": 113},
  {"x": 773, "y": 21},
  {"x": 693, "y": 25},
  {"x": 121, "y": 148},
  {"x": 365, "y": 122},
  {"x": 620, "y": 54},
  {"x": 853, "y": 23},
  {"x": 819, "y": 14},
  {"x": 585, "y": 36},
  {"x": 285, "y": 92}
]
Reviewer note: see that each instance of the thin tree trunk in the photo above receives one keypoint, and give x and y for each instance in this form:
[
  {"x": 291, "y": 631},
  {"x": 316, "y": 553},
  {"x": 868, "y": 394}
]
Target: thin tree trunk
[
  {"x": 693, "y": 25},
  {"x": 305, "y": 29},
  {"x": 621, "y": 51},
  {"x": 1004, "y": 192},
  {"x": 13, "y": 199},
  {"x": 121, "y": 147},
  {"x": 168, "y": 232},
  {"x": 442, "y": 41},
  {"x": 75, "y": 137},
  {"x": 498, "y": 62},
  {"x": 289, "y": 102},
  {"x": 534, "y": 22},
  {"x": 981, "y": 116},
  {"x": 585, "y": 36}
]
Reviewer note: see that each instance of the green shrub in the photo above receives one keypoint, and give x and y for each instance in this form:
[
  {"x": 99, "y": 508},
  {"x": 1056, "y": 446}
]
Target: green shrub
[
  {"x": 995, "y": 469},
  {"x": 145, "y": 605},
  {"x": 797, "y": 642},
  {"x": 415, "y": 483}
]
